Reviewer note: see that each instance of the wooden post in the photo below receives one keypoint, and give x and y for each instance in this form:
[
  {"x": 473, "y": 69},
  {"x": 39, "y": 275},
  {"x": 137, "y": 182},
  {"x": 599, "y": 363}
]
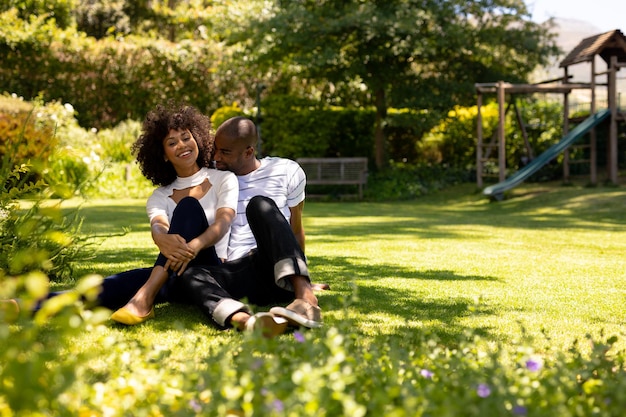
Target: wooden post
[
  {"x": 522, "y": 126},
  {"x": 612, "y": 160},
  {"x": 501, "y": 141},
  {"x": 593, "y": 148},
  {"x": 479, "y": 141},
  {"x": 566, "y": 130}
]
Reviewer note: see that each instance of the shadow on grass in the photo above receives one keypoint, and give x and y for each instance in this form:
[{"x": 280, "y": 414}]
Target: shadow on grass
[
  {"x": 114, "y": 261},
  {"x": 371, "y": 300}
]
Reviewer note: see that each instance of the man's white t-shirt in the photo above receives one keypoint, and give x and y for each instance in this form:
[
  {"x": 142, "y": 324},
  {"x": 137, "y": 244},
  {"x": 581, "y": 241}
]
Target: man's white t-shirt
[
  {"x": 223, "y": 193},
  {"x": 280, "y": 179}
]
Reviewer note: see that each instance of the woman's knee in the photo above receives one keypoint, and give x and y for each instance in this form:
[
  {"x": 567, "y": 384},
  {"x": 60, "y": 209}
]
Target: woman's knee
[{"x": 188, "y": 204}]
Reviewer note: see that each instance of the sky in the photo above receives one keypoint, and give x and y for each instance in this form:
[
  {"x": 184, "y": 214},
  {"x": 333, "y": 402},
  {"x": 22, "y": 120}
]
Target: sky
[{"x": 605, "y": 15}]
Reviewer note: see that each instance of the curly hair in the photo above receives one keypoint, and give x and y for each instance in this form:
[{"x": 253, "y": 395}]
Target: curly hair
[{"x": 158, "y": 122}]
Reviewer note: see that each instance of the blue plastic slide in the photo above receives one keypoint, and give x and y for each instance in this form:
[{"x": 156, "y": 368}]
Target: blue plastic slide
[{"x": 496, "y": 191}]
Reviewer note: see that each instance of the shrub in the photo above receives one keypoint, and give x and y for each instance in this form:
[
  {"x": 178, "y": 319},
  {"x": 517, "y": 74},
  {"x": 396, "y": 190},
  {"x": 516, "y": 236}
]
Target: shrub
[
  {"x": 294, "y": 127},
  {"x": 115, "y": 143},
  {"x": 23, "y": 135},
  {"x": 121, "y": 180},
  {"x": 34, "y": 235},
  {"x": 98, "y": 76},
  {"x": 38, "y": 368},
  {"x": 69, "y": 174},
  {"x": 224, "y": 113},
  {"x": 58, "y": 10},
  {"x": 407, "y": 181},
  {"x": 38, "y": 236}
]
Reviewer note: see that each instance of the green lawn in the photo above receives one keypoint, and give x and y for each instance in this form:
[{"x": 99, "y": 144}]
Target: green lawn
[
  {"x": 549, "y": 260},
  {"x": 449, "y": 305}
]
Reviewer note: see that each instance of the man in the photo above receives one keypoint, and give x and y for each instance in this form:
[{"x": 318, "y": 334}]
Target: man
[
  {"x": 280, "y": 179},
  {"x": 267, "y": 238}
]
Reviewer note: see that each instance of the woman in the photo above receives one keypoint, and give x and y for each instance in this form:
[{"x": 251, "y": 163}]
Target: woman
[{"x": 190, "y": 212}]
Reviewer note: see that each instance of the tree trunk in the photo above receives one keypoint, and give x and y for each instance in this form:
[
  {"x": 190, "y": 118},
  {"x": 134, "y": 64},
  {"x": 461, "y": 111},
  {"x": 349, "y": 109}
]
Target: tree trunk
[
  {"x": 171, "y": 4},
  {"x": 379, "y": 134}
]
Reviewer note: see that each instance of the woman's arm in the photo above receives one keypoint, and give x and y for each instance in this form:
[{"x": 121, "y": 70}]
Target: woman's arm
[
  {"x": 217, "y": 230},
  {"x": 172, "y": 246}
]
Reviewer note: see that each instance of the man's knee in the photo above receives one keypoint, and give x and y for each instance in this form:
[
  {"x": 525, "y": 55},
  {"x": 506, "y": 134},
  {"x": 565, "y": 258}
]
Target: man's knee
[{"x": 260, "y": 204}]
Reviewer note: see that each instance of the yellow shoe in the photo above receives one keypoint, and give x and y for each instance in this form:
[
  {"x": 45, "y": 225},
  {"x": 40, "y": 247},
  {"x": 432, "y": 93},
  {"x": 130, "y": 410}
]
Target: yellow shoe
[{"x": 124, "y": 316}]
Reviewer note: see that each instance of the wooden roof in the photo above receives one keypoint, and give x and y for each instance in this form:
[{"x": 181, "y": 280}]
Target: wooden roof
[{"x": 606, "y": 45}]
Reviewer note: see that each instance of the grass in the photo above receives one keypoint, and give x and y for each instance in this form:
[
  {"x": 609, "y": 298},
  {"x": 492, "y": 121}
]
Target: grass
[
  {"x": 548, "y": 262},
  {"x": 447, "y": 305}
]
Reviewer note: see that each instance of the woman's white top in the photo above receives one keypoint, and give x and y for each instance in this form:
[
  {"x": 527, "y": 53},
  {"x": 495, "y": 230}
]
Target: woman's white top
[{"x": 224, "y": 193}]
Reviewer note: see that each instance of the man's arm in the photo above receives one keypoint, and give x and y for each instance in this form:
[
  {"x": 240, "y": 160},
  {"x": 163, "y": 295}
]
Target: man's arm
[{"x": 296, "y": 223}]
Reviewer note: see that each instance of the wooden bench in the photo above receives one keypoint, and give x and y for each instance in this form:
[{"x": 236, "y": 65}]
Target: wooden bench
[{"x": 335, "y": 171}]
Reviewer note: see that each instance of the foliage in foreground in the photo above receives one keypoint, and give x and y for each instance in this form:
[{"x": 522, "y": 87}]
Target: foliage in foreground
[
  {"x": 35, "y": 236},
  {"x": 327, "y": 372}
]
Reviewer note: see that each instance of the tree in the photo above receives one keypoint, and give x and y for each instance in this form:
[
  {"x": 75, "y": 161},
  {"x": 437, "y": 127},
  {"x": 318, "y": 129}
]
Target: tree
[{"x": 424, "y": 54}]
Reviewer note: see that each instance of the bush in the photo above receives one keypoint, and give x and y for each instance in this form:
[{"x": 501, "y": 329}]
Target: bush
[
  {"x": 38, "y": 368},
  {"x": 60, "y": 11},
  {"x": 34, "y": 235},
  {"x": 294, "y": 127},
  {"x": 224, "y": 113},
  {"x": 98, "y": 76},
  {"x": 24, "y": 136},
  {"x": 115, "y": 143},
  {"x": 121, "y": 180},
  {"x": 37, "y": 237},
  {"x": 407, "y": 181},
  {"x": 69, "y": 174}
]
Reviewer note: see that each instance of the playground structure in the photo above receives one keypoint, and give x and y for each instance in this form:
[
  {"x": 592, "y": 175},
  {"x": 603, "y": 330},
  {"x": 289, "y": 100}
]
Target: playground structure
[{"x": 611, "y": 47}]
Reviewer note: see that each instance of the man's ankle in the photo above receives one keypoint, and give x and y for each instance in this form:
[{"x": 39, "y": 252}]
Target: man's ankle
[{"x": 239, "y": 319}]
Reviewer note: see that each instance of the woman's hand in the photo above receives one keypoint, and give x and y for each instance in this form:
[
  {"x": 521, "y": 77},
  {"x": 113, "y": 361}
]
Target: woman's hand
[
  {"x": 195, "y": 246},
  {"x": 172, "y": 246}
]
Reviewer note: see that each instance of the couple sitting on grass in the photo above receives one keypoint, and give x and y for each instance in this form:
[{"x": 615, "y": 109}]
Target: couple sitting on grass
[{"x": 223, "y": 234}]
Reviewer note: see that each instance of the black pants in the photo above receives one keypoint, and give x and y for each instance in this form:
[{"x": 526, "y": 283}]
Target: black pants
[
  {"x": 189, "y": 221},
  {"x": 262, "y": 277}
]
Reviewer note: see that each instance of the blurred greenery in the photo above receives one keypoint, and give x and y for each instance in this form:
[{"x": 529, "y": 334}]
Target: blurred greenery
[{"x": 329, "y": 88}]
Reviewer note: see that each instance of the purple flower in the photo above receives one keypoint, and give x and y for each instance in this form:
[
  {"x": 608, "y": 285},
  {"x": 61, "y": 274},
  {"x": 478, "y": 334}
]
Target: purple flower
[
  {"x": 426, "y": 373},
  {"x": 520, "y": 410},
  {"x": 299, "y": 337},
  {"x": 195, "y": 406},
  {"x": 257, "y": 364},
  {"x": 483, "y": 390},
  {"x": 534, "y": 365},
  {"x": 277, "y": 405}
]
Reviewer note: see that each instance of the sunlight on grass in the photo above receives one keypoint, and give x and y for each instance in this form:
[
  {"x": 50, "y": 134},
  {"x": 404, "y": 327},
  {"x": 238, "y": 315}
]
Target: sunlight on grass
[
  {"x": 549, "y": 262},
  {"x": 548, "y": 266}
]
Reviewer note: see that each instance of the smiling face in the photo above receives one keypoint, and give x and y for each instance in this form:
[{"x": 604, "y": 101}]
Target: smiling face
[
  {"x": 232, "y": 155},
  {"x": 181, "y": 150}
]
